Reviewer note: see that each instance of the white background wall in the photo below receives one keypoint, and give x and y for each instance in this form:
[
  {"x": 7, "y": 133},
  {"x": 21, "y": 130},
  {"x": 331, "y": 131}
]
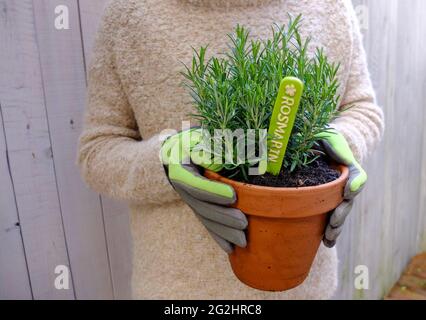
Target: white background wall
[{"x": 49, "y": 218}]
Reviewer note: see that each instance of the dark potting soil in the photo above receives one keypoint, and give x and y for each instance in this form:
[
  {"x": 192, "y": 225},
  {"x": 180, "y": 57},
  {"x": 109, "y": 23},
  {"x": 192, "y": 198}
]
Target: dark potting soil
[{"x": 317, "y": 173}]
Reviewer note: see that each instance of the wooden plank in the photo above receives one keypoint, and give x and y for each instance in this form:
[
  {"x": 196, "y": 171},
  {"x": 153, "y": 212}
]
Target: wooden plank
[
  {"x": 422, "y": 207},
  {"x": 115, "y": 213},
  {"x": 61, "y": 56},
  {"x": 90, "y": 13},
  {"x": 404, "y": 140},
  {"x": 376, "y": 217},
  {"x": 14, "y": 280},
  {"x": 345, "y": 245},
  {"x": 365, "y": 233},
  {"x": 29, "y": 148},
  {"x": 117, "y": 227},
  {"x": 385, "y": 81},
  {"x": 383, "y": 227}
]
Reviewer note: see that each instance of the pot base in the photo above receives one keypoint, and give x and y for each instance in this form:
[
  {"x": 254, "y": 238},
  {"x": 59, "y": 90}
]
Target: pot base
[
  {"x": 290, "y": 283},
  {"x": 300, "y": 239}
]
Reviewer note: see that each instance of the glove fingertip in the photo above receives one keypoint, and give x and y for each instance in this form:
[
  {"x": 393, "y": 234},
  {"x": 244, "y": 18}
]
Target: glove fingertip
[
  {"x": 244, "y": 222},
  {"x": 329, "y": 243},
  {"x": 242, "y": 241},
  {"x": 223, "y": 244}
]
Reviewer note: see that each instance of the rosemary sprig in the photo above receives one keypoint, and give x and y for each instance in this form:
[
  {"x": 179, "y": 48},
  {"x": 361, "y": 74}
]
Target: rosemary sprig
[{"x": 237, "y": 90}]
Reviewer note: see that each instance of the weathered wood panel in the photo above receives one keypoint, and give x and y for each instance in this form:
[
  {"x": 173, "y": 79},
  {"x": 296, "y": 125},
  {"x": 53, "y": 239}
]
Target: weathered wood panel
[
  {"x": 91, "y": 12},
  {"x": 117, "y": 229},
  {"x": 383, "y": 230},
  {"x": 61, "y": 56},
  {"x": 29, "y": 149},
  {"x": 406, "y": 139},
  {"x": 116, "y": 216},
  {"x": 14, "y": 281},
  {"x": 360, "y": 243},
  {"x": 421, "y": 223}
]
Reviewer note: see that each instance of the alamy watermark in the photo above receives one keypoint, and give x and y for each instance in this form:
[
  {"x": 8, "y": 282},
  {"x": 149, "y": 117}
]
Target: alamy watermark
[
  {"x": 363, "y": 14},
  {"x": 62, "y": 280},
  {"x": 62, "y": 17},
  {"x": 362, "y": 279}
]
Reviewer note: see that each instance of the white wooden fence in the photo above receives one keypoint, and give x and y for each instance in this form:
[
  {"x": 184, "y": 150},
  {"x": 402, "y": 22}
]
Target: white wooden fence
[{"x": 48, "y": 218}]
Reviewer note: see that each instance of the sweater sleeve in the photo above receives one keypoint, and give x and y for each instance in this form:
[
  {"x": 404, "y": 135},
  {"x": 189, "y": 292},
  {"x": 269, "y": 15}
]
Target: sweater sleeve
[
  {"x": 113, "y": 157},
  {"x": 361, "y": 121}
]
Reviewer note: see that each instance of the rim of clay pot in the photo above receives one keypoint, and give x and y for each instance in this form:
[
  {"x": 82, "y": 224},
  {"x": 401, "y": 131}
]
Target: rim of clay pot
[
  {"x": 344, "y": 174},
  {"x": 284, "y": 202}
]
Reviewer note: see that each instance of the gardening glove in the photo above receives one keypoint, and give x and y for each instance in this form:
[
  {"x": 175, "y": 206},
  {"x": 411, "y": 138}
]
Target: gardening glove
[
  {"x": 337, "y": 148},
  {"x": 210, "y": 200}
]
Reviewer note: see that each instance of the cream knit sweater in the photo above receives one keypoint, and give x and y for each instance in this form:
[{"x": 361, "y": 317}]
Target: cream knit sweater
[{"x": 135, "y": 93}]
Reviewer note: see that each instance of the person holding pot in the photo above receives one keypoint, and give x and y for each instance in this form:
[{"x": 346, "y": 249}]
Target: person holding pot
[{"x": 134, "y": 93}]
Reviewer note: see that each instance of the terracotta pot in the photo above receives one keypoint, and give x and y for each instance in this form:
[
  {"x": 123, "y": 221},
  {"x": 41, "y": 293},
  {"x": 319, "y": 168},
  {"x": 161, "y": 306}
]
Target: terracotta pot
[{"x": 286, "y": 227}]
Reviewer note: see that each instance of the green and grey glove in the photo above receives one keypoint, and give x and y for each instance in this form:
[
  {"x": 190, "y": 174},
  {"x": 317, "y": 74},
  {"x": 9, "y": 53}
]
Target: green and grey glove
[
  {"x": 337, "y": 148},
  {"x": 210, "y": 200}
]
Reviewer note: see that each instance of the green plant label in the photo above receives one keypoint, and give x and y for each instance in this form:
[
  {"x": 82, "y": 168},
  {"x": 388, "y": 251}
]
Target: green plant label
[{"x": 282, "y": 122}]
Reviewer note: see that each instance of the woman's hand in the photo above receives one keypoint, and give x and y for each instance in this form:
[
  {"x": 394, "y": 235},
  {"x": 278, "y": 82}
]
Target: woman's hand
[
  {"x": 210, "y": 200},
  {"x": 337, "y": 148}
]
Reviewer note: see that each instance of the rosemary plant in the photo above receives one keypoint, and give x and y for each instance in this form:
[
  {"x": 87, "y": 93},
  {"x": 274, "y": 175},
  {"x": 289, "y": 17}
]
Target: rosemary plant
[{"x": 237, "y": 90}]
